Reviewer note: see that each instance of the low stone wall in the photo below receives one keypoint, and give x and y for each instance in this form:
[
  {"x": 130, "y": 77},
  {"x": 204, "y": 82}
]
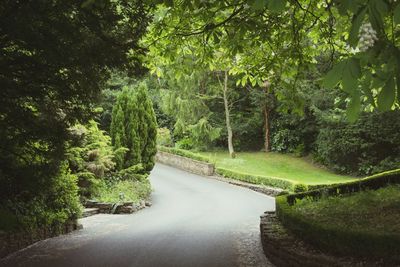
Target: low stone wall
[
  {"x": 11, "y": 242},
  {"x": 117, "y": 208},
  {"x": 187, "y": 164}
]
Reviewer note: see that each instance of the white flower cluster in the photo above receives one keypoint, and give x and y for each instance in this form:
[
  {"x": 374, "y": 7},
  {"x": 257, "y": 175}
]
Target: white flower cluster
[{"x": 367, "y": 37}]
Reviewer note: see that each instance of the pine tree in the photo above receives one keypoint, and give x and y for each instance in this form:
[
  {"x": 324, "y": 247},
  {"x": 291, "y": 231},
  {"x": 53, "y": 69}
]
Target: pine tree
[
  {"x": 147, "y": 128},
  {"x": 134, "y": 127}
]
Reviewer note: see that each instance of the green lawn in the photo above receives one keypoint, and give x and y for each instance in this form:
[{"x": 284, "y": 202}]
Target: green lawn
[{"x": 275, "y": 165}]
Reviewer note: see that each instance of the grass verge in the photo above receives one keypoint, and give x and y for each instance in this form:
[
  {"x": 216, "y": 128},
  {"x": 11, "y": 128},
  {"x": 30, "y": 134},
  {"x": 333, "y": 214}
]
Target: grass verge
[{"x": 276, "y": 165}]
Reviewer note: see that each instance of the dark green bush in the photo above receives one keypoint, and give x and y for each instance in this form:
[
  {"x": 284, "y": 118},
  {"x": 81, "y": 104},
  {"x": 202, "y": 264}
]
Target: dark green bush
[
  {"x": 372, "y": 182},
  {"x": 370, "y": 145},
  {"x": 300, "y": 188},
  {"x": 50, "y": 208},
  {"x": 256, "y": 179},
  {"x": 338, "y": 240},
  {"x": 133, "y": 173},
  {"x": 334, "y": 238}
]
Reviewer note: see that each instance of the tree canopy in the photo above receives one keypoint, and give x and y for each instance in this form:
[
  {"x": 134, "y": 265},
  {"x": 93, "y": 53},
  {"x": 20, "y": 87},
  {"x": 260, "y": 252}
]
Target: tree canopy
[{"x": 279, "y": 40}]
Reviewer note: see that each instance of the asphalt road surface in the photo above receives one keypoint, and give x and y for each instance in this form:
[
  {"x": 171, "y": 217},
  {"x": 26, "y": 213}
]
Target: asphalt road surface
[{"x": 194, "y": 221}]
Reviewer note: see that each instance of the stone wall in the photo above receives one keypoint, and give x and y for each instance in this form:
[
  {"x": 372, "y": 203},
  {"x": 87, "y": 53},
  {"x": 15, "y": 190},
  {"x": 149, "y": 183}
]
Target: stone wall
[
  {"x": 11, "y": 242},
  {"x": 187, "y": 164},
  {"x": 118, "y": 208}
]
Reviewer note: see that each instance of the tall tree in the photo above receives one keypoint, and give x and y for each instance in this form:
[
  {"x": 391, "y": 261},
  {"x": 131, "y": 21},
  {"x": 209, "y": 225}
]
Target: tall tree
[
  {"x": 54, "y": 58},
  {"x": 134, "y": 128}
]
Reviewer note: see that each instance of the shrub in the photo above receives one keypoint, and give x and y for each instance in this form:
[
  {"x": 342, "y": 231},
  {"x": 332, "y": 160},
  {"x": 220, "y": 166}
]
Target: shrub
[
  {"x": 131, "y": 190},
  {"x": 300, "y": 188},
  {"x": 370, "y": 145},
  {"x": 164, "y": 137},
  {"x": 338, "y": 224},
  {"x": 133, "y": 173},
  {"x": 50, "y": 208},
  {"x": 372, "y": 182},
  {"x": 185, "y": 143},
  {"x": 256, "y": 179}
]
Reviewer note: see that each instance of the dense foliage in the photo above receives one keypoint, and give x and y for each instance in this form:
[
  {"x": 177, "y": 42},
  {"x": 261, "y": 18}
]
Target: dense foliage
[
  {"x": 134, "y": 129},
  {"x": 296, "y": 97},
  {"x": 55, "y": 57},
  {"x": 338, "y": 220}
]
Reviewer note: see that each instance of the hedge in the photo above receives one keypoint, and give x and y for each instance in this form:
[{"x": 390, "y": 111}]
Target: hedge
[
  {"x": 183, "y": 153},
  {"x": 257, "y": 179},
  {"x": 339, "y": 240},
  {"x": 372, "y": 182}
]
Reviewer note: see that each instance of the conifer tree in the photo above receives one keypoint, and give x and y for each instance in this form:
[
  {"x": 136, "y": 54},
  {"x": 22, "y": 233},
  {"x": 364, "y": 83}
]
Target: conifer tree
[
  {"x": 118, "y": 135},
  {"x": 134, "y": 127},
  {"x": 147, "y": 128}
]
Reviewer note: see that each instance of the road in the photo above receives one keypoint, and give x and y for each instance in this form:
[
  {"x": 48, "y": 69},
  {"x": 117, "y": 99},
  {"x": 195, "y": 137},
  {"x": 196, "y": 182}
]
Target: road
[{"x": 194, "y": 221}]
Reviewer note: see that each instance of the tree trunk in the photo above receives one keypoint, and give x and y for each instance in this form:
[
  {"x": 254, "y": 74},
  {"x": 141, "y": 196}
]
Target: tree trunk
[
  {"x": 267, "y": 137},
  {"x": 267, "y": 109},
  {"x": 227, "y": 116}
]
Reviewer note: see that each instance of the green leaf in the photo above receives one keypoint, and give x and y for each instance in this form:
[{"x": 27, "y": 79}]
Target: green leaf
[
  {"x": 351, "y": 73},
  {"x": 331, "y": 79},
  {"x": 354, "y": 67},
  {"x": 366, "y": 88},
  {"x": 375, "y": 17},
  {"x": 353, "y": 109},
  {"x": 398, "y": 87},
  {"x": 259, "y": 4},
  {"x": 381, "y": 7},
  {"x": 396, "y": 15},
  {"x": 355, "y": 27},
  {"x": 276, "y": 5},
  {"x": 387, "y": 96},
  {"x": 349, "y": 83},
  {"x": 87, "y": 3}
]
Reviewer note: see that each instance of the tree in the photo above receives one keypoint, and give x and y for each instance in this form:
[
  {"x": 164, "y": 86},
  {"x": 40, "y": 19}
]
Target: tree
[
  {"x": 134, "y": 128},
  {"x": 361, "y": 37},
  {"x": 54, "y": 58},
  {"x": 147, "y": 128}
]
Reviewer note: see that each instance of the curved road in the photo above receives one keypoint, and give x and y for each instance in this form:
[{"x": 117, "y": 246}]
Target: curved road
[{"x": 194, "y": 221}]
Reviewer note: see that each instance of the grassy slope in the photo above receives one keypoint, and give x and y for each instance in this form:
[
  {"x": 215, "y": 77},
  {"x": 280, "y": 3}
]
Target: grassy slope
[{"x": 275, "y": 165}]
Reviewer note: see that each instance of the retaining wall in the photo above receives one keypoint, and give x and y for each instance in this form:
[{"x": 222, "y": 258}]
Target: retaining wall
[
  {"x": 186, "y": 164},
  {"x": 11, "y": 242}
]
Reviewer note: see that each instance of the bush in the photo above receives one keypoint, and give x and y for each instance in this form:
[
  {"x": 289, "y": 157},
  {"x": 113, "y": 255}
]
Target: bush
[
  {"x": 370, "y": 145},
  {"x": 50, "y": 208},
  {"x": 131, "y": 190},
  {"x": 300, "y": 188},
  {"x": 339, "y": 224},
  {"x": 369, "y": 183},
  {"x": 164, "y": 137},
  {"x": 185, "y": 143},
  {"x": 133, "y": 173},
  {"x": 256, "y": 179}
]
